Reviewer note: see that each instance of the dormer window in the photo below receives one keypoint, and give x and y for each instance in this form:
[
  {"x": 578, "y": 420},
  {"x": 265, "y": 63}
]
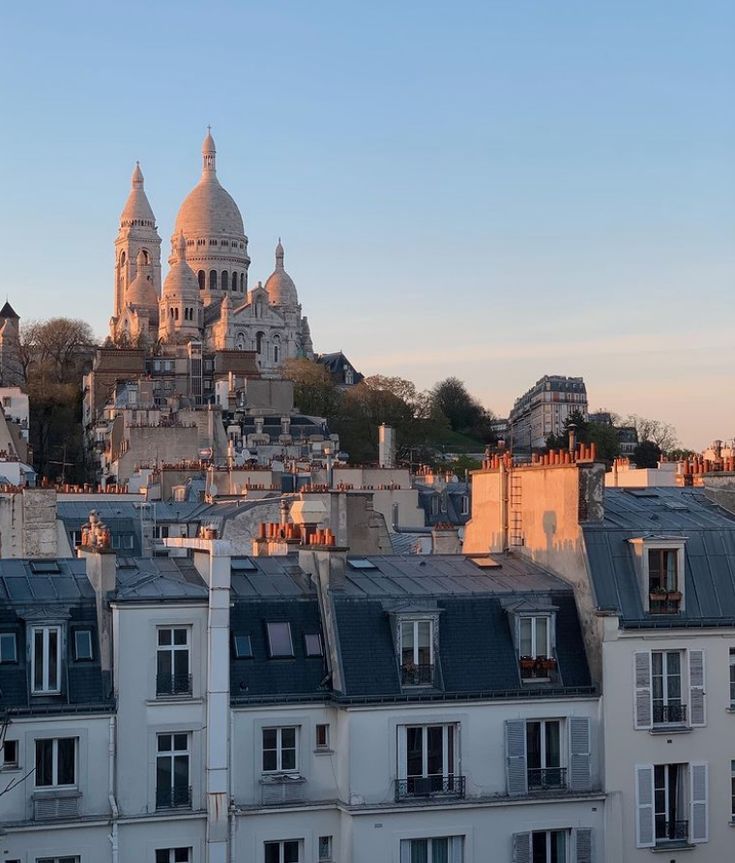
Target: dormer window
[
  {"x": 535, "y": 649},
  {"x": 416, "y": 650},
  {"x": 660, "y": 564},
  {"x": 46, "y": 660}
]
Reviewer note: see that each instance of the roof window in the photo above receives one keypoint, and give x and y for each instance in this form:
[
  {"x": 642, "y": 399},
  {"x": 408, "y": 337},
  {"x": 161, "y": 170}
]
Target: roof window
[
  {"x": 279, "y": 639},
  {"x": 242, "y": 564},
  {"x": 242, "y": 646},
  {"x": 313, "y": 644},
  {"x": 361, "y": 563},
  {"x": 44, "y": 566},
  {"x": 83, "y": 645},
  {"x": 8, "y": 647}
]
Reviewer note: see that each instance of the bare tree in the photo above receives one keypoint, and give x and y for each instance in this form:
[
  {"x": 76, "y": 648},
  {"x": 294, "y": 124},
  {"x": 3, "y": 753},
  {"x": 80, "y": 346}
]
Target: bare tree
[{"x": 661, "y": 433}]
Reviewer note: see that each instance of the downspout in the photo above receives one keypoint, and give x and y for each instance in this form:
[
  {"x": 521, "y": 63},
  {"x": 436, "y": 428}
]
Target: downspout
[
  {"x": 503, "y": 475},
  {"x": 111, "y": 753}
]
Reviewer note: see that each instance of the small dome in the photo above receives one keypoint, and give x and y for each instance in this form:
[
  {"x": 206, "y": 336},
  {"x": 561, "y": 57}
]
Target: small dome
[
  {"x": 181, "y": 281},
  {"x": 209, "y": 210},
  {"x": 140, "y": 291},
  {"x": 280, "y": 286},
  {"x": 137, "y": 208}
]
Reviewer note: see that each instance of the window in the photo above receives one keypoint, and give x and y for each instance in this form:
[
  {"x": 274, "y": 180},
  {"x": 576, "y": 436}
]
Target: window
[
  {"x": 83, "y": 645},
  {"x": 213, "y": 280},
  {"x": 45, "y": 659},
  {"x": 279, "y": 639},
  {"x": 172, "y": 771},
  {"x": 56, "y": 860},
  {"x": 666, "y": 687},
  {"x": 160, "y": 531},
  {"x": 663, "y": 581},
  {"x": 279, "y": 749},
  {"x": 428, "y": 761},
  {"x": 732, "y": 677},
  {"x": 324, "y": 849},
  {"x": 732, "y": 790},
  {"x": 534, "y": 636},
  {"x": 313, "y": 644},
  {"x": 225, "y": 280},
  {"x": 56, "y": 762},
  {"x": 10, "y": 754},
  {"x": 671, "y": 802},
  {"x": 172, "y": 668},
  {"x": 322, "y": 736},
  {"x": 543, "y": 755},
  {"x": 282, "y": 852},
  {"x": 417, "y": 652},
  {"x": 173, "y": 855},
  {"x": 259, "y": 336},
  {"x": 242, "y": 646},
  {"x": 465, "y": 505},
  {"x": 202, "y": 277},
  {"x": 440, "y": 849},
  {"x": 8, "y": 647},
  {"x": 549, "y": 846}
]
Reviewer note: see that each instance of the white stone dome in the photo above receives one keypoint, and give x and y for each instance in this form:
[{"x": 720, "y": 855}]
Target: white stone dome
[
  {"x": 140, "y": 291},
  {"x": 209, "y": 210},
  {"x": 280, "y": 286},
  {"x": 181, "y": 281},
  {"x": 137, "y": 209}
]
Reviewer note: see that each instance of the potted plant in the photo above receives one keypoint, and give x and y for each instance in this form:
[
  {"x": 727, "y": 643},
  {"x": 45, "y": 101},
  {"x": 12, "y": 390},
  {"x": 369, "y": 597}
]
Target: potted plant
[
  {"x": 527, "y": 663},
  {"x": 674, "y": 596},
  {"x": 548, "y": 663}
]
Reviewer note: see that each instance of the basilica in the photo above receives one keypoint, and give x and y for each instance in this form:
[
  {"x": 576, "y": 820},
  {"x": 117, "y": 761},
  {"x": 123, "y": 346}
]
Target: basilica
[{"x": 205, "y": 297}]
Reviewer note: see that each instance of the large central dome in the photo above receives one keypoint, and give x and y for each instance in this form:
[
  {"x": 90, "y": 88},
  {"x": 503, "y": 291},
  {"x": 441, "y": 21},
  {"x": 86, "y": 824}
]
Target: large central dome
[{"x": 209, "y": 210}]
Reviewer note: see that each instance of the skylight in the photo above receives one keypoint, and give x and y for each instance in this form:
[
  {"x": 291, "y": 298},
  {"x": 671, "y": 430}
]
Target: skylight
[
  {"x": 361, "y": 563},
  {"x": 45, "y": 566}
]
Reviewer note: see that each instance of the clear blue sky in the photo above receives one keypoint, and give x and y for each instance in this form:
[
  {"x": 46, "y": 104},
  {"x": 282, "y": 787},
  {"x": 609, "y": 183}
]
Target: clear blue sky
[{"x": 494, "y": 190}]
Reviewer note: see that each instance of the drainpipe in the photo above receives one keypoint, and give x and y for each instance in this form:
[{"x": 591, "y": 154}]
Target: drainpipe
[
  {"x": 503, "y": 477},
  {"x": 111, "y": 753}
]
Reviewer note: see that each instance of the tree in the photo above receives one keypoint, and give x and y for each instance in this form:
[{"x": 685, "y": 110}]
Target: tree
[
  {"x": 314, "y": 392},
  {"x": 655, "y": 431},
  {"x": 603, "y": 435},
  {"x": 56, "y": 348},
  {"x": 647, "y": 454},
  {"x": 465, "y": 414}
]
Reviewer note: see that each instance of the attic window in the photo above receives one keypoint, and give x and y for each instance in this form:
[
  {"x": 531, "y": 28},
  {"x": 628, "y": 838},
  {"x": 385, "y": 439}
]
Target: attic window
[
  {"x": 313, "y": 644},
  {"x": 660, "y": 564},
  {"x": 44, "y": 566},
  {"x": 8, "y": 647},
  {"x": 242, "y": 646},
  {"x": 416, "y": 650},
  {"x": 486, "y": 563},
  {"x": 83, "y": 645},
  {"x": 361, "y": 563},
  {"x": 242, "y": 564},
  {"x": 535, "y": 646},
  {"x": 279, "y": 639}
]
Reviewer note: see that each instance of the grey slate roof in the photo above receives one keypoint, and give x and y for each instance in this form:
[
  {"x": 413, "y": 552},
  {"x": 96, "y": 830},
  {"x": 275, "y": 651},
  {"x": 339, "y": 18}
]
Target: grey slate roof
[
  {"x": 450, "y": 503},
  {"x": 709, "y": 553}
]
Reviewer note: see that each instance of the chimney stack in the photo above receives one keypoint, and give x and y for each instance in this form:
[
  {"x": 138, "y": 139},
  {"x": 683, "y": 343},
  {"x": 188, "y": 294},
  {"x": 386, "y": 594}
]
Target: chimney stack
[{"x": 101, "y": 568}]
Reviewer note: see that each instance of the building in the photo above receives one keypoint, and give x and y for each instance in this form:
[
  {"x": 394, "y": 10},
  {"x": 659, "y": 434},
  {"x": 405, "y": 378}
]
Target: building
[
  {"x": 340, "y": 369},
  {"x": 652, "y": 571},
  {"x": 12, "y": 373},
  {"x": 541, "y": 411},
  {"x": 307, "y": 707}
]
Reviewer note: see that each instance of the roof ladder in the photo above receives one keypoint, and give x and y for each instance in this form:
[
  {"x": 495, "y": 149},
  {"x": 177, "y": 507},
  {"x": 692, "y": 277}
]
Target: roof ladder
[{"x": 516, "y": 516}]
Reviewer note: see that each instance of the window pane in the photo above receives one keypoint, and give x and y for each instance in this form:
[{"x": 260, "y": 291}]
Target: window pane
[
  {"x": 7, "y": 647},
  {"x": 553, "y": 752},
  {"x": 164, "y": 742},
  {"x": 542, "y": 629},
  {"x": 533, "y": 745},
  {"x": 424, "y": 642},
  {"x": 414, "y": 749},
  {"x": 162, "y": 855},
  {"x": 279, "y": 637},
  {"x": 163, "y": 663},
  {"x": 419, "y": 851},
  {"x": 288, "y": 759},
  {"x": 243, "y": 647},
  {"x": 181, "y": 742},
  {"x": 180, "y": 636},
  {"x": 44, "y": 761},
  {"x": 272, "y": 852},
  {"x": 288, "y": 737},
  {"x": 83, "y": 644},
  {"x": 313, "y": 644},
  {"x": 38, "y": 659},
  {"x": 181, "y": 771},
  {"x": 291, "y": 852},
  {"x": 440, "y": 850},
  {"x": 163, "y": 773},
  {"x": 53, "y": 656},
  {"x": 66, "y": 747},
  {"x": 164, "y": 636},
  {"x": 435, "y": 750},
  {"x": 181, "y": 855},
  {"x": 526, "y": 644},
  {"x": 181, "y": 663},
  {"x": 270, "y": 759},
  {"x": 407, "y": 642},
  {"x": 269, "y": 738}
]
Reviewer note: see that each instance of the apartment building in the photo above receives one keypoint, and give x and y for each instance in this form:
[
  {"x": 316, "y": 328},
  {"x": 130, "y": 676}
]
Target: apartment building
[{"x": 542, "y": 410}]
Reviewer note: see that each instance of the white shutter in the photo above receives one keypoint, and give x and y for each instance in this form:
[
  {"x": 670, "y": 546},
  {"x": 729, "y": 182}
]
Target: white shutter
[
  {"x": 521, "y": 848},
  {"x": 579, "y": 753},
  {"x": 405, "y": 851},
  {"x": 456, "y": 849},
  {"x": 643, "y": 705},
  {"x": 401, "y": 767},
  {"x": 697, "y": 715},
  {"x": 515, "y": 756},
  {"x": 644, "y": 832},
  {"x": 583, "y": 841},
  {"x": 698, "y": 803}
]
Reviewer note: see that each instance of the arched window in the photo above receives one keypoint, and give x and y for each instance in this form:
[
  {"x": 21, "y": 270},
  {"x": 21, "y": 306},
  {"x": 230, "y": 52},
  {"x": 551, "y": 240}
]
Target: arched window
[
  {"x": 259, "y": 309},
  {"x": 202, "y": 276},
  {"x": 276, "y": 349},
  {"x": 225, "y": 280},
  {"x": 234, "y": 281},
  {"x": 145, "y": 255},
  {"x": 123, "y": 258},
  {"x": 240, "y": 342},
  {"x": 170, "y": 313},
  {"x": 213, "y": 280},
  {"x": 176, "y": 313},
  {"x": 259, "y": 342},
  {"x": 242, "y": 278}
]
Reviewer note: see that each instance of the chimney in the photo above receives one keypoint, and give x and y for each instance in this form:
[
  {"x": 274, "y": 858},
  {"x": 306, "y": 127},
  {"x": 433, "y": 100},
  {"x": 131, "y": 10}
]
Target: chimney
[
  {"x": 386, "y": 446},
  {"x": 572, "y": 437},
  {"x": 445, "y": 540},
  {"x": 101, "y": 568}
]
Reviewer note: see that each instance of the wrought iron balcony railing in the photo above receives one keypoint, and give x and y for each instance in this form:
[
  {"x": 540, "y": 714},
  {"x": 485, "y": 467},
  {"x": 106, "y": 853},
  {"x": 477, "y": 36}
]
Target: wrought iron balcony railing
[
  {"x": 430, "y": 786},
  {"x": 173, "y": 684},
  {"x": 671, "y": 831},
  {"x": 547, "y": 778},
  {"x": 669, "y": 714},
  {"x": 417, "y": 675},
  {"x": 171, "y": 798}
]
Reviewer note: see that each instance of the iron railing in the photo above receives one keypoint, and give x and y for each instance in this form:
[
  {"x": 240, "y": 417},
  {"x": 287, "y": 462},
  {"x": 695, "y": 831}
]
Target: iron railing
[
  {"x": 671, "y": 831},
  {"x": 173, "y": 684},
  {"x": 178, "y": 796},
  {"x": 546, "y": 778},
  {"x": 669, "y": 714},
  {"x": 430, "y": 786},
  {"x": 417, "y": 675}
]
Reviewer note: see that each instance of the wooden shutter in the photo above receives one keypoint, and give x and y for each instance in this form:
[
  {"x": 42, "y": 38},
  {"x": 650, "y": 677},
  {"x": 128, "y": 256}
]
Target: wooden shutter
[
  {"x": 521, "y": 848},
  {"x": 644, "y": 832},
  {"x": 583, "y": 841},
  {"x": 579, "y": 753},
  {"x": 643, "y": 705},
  {"x": 698, "y": 802},
  {"x": 697, "y": 714},
  {"x": 515, "y": 756}
]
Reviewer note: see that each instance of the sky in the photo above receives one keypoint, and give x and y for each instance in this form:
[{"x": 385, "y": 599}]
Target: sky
[{"x": 494, "y": 190}]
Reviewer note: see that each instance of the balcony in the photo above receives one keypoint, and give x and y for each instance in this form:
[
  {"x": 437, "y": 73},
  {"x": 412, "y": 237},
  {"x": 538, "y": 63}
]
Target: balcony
[
  {"x": 417, "y": 675},
  {"x": 664, "y": 602},
  {"x": 671, "y": 832},
  {"x": 173, "y": 684},
  {"x": 430, "y": 786},
  {"x": 178, "y": 797},
  {"x": 669, "y": 714},
  {"x": 547, "y": 778}
]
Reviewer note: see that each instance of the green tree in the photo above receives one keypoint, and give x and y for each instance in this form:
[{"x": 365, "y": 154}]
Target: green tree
[
  {"x": 647, "y": 454},
  {"x": 465, "y": 414},
  {"x": 314, "y": 392}
]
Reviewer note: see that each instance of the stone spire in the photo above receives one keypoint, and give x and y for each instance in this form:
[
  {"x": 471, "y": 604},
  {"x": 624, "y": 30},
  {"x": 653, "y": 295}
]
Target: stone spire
[{"x": 209, "y": 154}]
